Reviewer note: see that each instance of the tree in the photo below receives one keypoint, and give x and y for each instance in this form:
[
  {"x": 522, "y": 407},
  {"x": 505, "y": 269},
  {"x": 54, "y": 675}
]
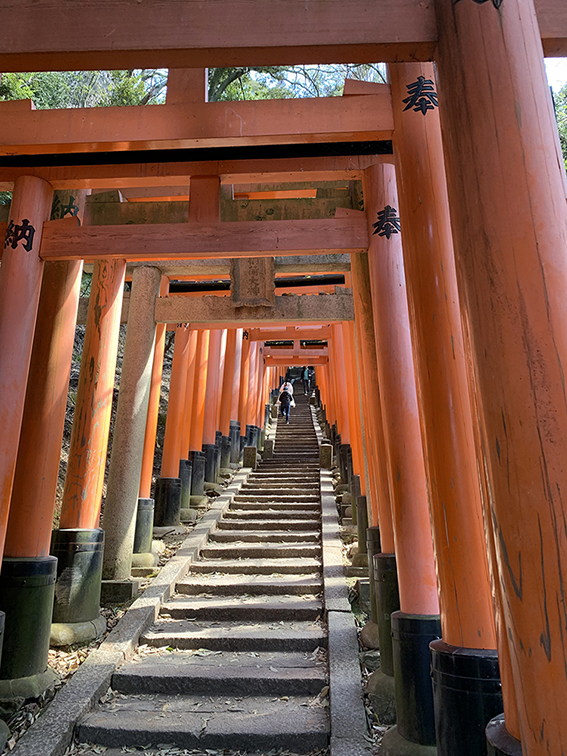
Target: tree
[{"x": 560, "y": 101}]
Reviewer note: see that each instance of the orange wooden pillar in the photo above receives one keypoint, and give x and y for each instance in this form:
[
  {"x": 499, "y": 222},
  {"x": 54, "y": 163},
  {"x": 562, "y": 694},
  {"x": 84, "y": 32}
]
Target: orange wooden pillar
[
  {"x": 80, "y": 511},
  {"x": 251, "y": 435},
  {"x": 226, "y": 396},
  {"x": 341, "y": 390},
  {"x": 378, "y": 474},
  {"x": 417, "y": 623},
  {"x": 446, "y": 421},
  {"x": 234, "y": 426},
  {"x": 153, "y": 405},
  {"x": 244, "y": 387},
  {"x": 509, "y": 219},
  {"x": 211, "y": 402},
  {"x": 26, "y": 552},
  {"x": 353, "y": 408},
  {"x": 198, "y": 418},
  {"x": 20, "y": 282},
  {"x": 168, "y": 485}
]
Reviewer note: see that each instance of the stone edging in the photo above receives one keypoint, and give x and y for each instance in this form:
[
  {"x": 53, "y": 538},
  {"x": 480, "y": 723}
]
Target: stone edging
[
  {"x": 347, "y": 712},
  {"x": 53, "y": 731}
]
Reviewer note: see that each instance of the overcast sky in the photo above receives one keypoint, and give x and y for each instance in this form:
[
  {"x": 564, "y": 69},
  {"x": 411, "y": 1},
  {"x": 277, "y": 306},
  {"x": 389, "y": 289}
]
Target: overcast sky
[{"x": 556, "y": 72}]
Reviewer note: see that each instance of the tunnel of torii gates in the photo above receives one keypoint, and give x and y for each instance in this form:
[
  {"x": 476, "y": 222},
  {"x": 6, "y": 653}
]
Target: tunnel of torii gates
[{"x": 441, "y": 200}]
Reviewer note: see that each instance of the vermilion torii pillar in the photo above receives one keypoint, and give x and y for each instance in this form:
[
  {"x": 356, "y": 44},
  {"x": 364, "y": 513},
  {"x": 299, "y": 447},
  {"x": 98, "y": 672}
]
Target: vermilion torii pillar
[
  {"x": 509, "y": 220},
  {"x": 198, "y": 419},
  {"x": 417, "y": 621},
  {"x": 235, "y": 399},
  {"x": 243, "y": 393},
  {"x": 20, "y": 282},
  {"x": 79, "y": 536},
  {"x": 168, "y": 485},
  {"x": 446, "y": 420},
  {"x": 212, "y": 393},
  {"x": 26, "y": 553}
]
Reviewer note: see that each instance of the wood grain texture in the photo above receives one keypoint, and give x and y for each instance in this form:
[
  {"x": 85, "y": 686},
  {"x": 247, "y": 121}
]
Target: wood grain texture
[
  {"x": 149, "y": 174},
  {"x": 181, "y": 126},
  {"x": 200, "y": 240}
]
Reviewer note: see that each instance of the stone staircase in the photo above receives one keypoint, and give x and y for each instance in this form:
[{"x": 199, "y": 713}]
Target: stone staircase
[{"x": 237, "y": 657}]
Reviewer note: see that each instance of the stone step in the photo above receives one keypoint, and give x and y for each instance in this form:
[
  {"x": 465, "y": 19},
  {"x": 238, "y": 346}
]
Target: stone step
[
  {"x": 254, "y": 724},
  {"x": 264, "y": 536},
  {"x": 236, "y": 636},
  {"x": 251, "y": 504},
  {"x": 306, "y": 512},
  {"x": 244, "y": 608},
  {"x": 263, "y": 551},
  {"x": 260, "y": 523},
  {"x": 250, "y": 585},
  {"x": 269, "y": 479},
  {"x": 226, "y": 673},
  {"x": 283, "y": 489},
  {"x": 299, "y": 566},
  {"x": 283, "y": 498}
]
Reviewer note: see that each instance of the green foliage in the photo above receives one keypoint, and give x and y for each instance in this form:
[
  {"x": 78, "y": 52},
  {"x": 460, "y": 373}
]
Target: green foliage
[
  {"x": 81, "y": 89},
  {"x": 561, "y": 115},
  {"x": 89, "y": 89},
  {"x": 5, "y": 198}
]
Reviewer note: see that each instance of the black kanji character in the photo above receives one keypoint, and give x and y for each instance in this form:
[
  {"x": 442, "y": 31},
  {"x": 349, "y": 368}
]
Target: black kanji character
[
  {"x": 16, "y": 233},
  {"x": 388, "y": 222},
  {"x": 422, "y": 95}
]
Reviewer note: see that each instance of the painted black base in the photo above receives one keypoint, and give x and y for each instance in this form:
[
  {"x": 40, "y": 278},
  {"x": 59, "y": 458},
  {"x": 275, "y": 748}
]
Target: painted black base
[
  {"x": 361, "y": 521},
  {"x": 372, "y": 547},
  {"x": 79, "y": 573},
  {"x": 226, "y": 448},
  {"x": 167, "y": 502},
  {"x": 185, "y": 475},
  {"x": 27, "y": 586},
  {"x": 467, "y": 695},
  {"x": 499, "y": 740},
  {"x": 387, "y": 602},
  {"x": 234, "y": 435},
  {"x": 144, "y": 526},
  {"x": 210, "y": 467},
  {"x": 411, "y": 636},
  {"x": 198, "y": 473}
]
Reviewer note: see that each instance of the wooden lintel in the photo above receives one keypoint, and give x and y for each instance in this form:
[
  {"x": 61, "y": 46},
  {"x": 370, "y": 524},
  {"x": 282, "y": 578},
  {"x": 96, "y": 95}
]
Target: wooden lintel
[
  {"x": 294, "y": 360},
  {"x": 203, "y": 240},
  {"x": 183, "y": 126},
  {"x": 290, "y": 309},
  {"x": 151, "y": 174},
  {"x": 296, "y": 332},
  {"x": 42, "y": 35},
  {"x": 305, "y": 354}
]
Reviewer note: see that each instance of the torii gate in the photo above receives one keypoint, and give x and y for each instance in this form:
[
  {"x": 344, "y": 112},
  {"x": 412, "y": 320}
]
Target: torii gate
[{"x": 506, "y": 194}]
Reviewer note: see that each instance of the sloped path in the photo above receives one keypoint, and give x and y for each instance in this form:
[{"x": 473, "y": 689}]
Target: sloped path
[{"x": 237, "y": 657}]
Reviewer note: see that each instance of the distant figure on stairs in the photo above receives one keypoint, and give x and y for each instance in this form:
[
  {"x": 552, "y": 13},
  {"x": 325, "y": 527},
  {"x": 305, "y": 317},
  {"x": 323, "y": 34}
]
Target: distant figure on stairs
[
  {"x": 285, "y": 399},
  {"x": 306, "y": 381}
]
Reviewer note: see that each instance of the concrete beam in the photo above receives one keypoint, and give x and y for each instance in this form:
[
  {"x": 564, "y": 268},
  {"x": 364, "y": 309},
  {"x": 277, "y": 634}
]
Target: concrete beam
[{"x": 290, "y": 309}]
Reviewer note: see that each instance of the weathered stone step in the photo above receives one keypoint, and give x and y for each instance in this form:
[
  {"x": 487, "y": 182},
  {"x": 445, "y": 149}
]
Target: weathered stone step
[
  {"x": 285, "y": 489},
  {"x": 264, "y": 536},
  {"x": 253, "y": 724},
  {"x": 261, "y": 523},
  {"x": 226, "y": 673},
  {"x": 264, "y": 551},
  {"x": 245, "y": 608},
  {"x": 251, "y": 585},
  {"x": 270, "y": 479},
  {"x": 236, "y": 636},
  {"x": 305, "y": 512},
  {"x": 299, "y": 566},
  {"x": 250, "y": 504},
  {"x": 283, "y": 498}
]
